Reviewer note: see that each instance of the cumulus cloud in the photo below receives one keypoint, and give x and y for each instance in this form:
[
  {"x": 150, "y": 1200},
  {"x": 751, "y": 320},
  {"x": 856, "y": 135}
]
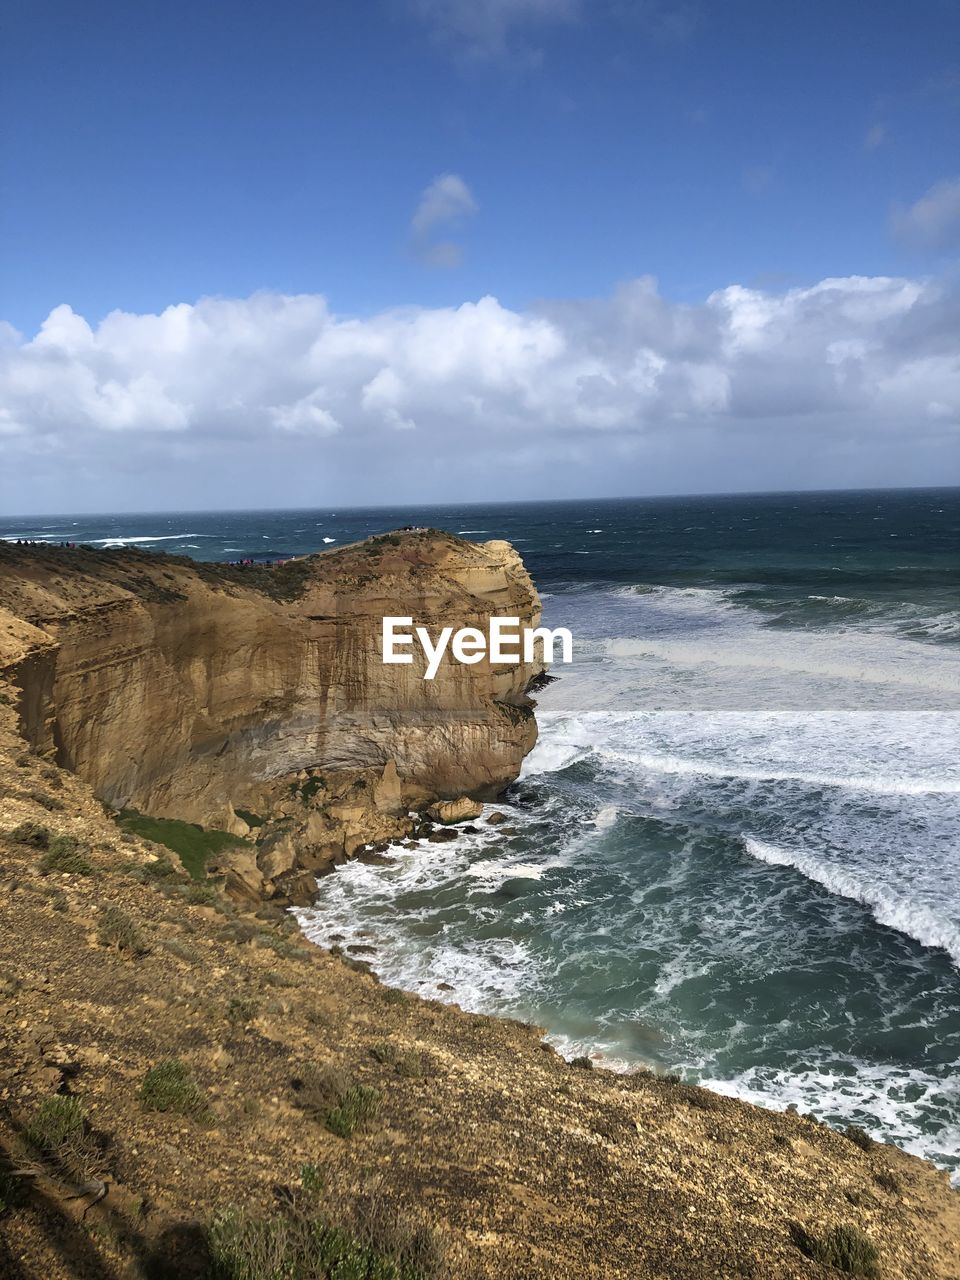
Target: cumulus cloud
[
  {"x": 445, "y": 203},
  {"x": 934, "y": 221},
  {"x": 279, "y": 398}
]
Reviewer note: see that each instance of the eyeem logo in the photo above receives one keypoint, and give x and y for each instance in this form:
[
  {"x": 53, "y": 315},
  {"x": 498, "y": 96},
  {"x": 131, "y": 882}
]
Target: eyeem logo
[{"x": 506, "y": 643}]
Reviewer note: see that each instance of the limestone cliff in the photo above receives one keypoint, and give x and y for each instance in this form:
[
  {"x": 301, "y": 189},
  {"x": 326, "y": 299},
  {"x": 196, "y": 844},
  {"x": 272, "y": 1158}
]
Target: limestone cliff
[{"x": 194, "y": 690}]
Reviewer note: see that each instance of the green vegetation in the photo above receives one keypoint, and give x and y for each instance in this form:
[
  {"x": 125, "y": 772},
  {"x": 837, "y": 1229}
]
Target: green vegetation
[
  {"x": 192, "y": 844},
  {"x": 65, "y": 854},
  {"x": 162, "y": 869},
  {"x": 117, "y": 930},
  {"x": 327, "y": 1094},
  {"x": 300, "y": 1244},
  {"x": 169, "y": 1086},
  {"x": 859, "y": 1137},
  {"x": 51, "y": 803},
  {"x": 58, "y": 1131},
  {"x": 304, "y": 1247},
  {"x": 33, "y": 834},
  {"x": 405, "y": 1062},
  {"x": 312, "y": 1180},
  {"x": 308, "y": 789},
  {"x": 846, "y": 1248},
  {"x": 241, "y": 1010},
  {"x": 359, "y": 1107}
]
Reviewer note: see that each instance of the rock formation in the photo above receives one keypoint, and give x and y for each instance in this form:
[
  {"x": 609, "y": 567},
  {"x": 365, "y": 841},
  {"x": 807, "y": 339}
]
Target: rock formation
[{"x": 203, "y": 692}]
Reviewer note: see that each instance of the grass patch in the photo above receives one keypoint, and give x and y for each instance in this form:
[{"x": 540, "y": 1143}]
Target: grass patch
[
  {"x": 59, "y": 1132},
  {"x": 301, "y": 1244},
  {"x": 169, "y": 1086},
  {"x": 192, "y": 844},
  {"x": 65, "y": 854},
  {"x": 845, "y": 1248},
  {"x": 117, "y": 930}
]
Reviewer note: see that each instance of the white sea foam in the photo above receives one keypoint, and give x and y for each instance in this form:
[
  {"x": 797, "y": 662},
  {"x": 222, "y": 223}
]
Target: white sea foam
[
  {"x": 927, "y": 927},
  {"x": 130, "y": 540},
  {"x": 897, "y": 1104},
  {"x": 329, "y": 539},
  {"x": 878, "y": 785}
]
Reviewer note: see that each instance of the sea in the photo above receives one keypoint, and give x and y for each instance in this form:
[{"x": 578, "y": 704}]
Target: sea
[{"x": 734, "y": 853}]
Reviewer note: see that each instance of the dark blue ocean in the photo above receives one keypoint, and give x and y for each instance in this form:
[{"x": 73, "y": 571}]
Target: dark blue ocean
[{"x": 735, "y": 851}]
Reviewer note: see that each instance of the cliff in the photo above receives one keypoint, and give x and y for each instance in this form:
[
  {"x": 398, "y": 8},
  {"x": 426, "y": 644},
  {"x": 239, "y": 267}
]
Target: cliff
[{"x": 194, "y": 691}]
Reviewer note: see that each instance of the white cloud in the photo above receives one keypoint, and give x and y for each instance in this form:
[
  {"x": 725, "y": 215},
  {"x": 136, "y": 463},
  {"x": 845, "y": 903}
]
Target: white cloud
[
  {"x": 483, "y": 27},
  {"x": 934, "y": 221},
  {"x": 875, "y": 137},
  {"x": 446, "y": 202},
  {"x": 275, "y": 391}
]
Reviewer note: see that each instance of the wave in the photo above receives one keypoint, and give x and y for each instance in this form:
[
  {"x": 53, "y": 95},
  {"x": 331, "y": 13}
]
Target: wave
[
  {"x": 877, "y": 784},
  {"x": 936, "y": 670},
  {"x": 917, "y": 922},
  {"x": 124, "y": 540}
]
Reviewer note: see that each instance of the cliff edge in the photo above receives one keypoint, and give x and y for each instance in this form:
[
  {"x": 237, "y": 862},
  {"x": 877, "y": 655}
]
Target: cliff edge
[{"x": 204, "y": 692}]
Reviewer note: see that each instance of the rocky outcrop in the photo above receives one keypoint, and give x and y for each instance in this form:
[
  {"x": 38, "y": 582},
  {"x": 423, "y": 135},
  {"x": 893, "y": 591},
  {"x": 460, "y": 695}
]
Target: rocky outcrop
[{"x": 208, "y": 692}]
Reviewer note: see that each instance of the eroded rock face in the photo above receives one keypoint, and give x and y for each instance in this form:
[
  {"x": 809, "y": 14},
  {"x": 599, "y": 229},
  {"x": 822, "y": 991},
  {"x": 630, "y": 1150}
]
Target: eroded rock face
[{"x": 194, "y": 691}]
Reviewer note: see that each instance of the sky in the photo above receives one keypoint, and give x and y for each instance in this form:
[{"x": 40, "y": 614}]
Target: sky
[{"x": 387, "y": 251}]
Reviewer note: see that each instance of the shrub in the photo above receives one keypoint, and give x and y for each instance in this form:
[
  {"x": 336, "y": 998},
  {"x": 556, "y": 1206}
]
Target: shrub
[
  {"x": 585, "y": 1063},
  {"x": 360, "y": 1105},
  {"x": 405, "y": 1062},
  {"x": 33, "y": 834},
  {"x": 160, "y": 869},
  {"x": 299, "y": 1243},
  {"x": 182, "y": 950},
  {"x": 241, "y": 1010},
  {"x": 169, "y": 1086},
  {"x": 117, "y": 930},
  {"x": 59, "y": 1132},
  {"x": 328, "y": 1095},
  {"x": 46, "y": 802},
  {"x": 200, "y": 894},
  {"x": 65, "y": 854},
  {"x": 859, "y": 1137},
  {"x": 889, "y": 1181},
  {"x": 845, "y": 1248},
  {"x": 391, "y": 995}
]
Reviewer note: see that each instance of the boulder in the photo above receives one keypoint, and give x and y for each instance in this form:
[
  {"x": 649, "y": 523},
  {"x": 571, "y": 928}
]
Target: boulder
[{"x": 450, "y": 811}]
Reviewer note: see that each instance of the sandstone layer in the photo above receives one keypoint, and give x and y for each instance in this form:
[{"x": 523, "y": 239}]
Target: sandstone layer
[{"x": 195, "y": 691}]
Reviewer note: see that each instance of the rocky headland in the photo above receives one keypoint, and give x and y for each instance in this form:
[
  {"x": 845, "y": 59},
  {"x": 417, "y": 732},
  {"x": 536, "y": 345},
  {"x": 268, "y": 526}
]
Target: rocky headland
[{"x": 190, "y": 1089}]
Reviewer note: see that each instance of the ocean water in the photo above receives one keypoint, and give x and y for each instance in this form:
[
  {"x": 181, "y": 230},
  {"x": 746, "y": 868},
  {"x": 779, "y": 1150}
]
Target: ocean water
[{"x": 735, "y": 850}]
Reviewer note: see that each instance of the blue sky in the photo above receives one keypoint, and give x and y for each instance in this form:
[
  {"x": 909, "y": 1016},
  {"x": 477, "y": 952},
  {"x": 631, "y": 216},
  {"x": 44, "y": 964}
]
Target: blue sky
[{"x": 160, "y": 153}]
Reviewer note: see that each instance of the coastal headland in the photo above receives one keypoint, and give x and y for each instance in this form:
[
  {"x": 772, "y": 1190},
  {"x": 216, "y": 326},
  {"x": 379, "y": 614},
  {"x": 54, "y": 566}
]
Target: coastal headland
[{"x": 186, "y": 1083}]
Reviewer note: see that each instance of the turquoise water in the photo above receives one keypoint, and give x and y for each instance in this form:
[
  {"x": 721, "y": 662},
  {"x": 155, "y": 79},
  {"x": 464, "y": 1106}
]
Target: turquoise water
[{"x": 735, "y": 851}]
